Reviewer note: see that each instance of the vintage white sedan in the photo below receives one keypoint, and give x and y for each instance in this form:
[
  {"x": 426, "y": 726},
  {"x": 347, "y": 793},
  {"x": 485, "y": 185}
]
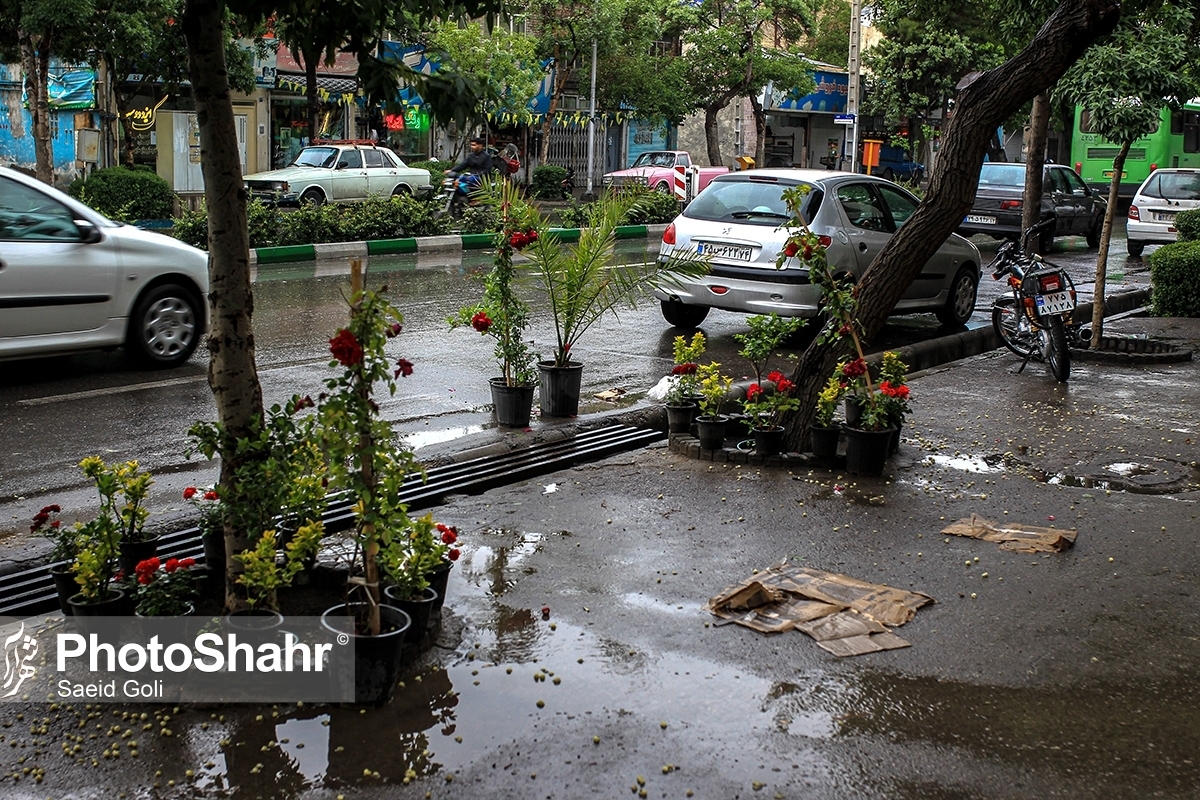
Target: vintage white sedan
[{"x": 338, "y": 172}]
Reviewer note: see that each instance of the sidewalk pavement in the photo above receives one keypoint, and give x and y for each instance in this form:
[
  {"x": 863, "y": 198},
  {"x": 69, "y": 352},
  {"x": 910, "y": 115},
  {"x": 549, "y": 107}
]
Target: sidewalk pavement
[{"x": 1072, "y": 674}]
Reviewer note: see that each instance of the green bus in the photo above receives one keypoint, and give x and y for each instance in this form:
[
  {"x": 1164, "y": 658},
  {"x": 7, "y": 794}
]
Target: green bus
[{"x": 1176, "y": 143}]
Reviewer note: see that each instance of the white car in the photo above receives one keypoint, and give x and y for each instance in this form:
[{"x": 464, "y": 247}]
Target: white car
[
  {"x": 338, "y": 172},
  {"x": 71, "y": 280},
  {"x": 1151, "y": 216},
  {"x": 737, "y": 222}
]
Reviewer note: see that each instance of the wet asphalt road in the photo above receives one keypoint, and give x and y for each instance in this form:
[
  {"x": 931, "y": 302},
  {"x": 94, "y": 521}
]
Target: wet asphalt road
[
  {"x": 59, "y": 410},
  {"x": 1069, "y": 675}
]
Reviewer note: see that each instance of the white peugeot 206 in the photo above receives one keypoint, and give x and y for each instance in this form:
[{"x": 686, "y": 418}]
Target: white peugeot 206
[
  {"x": 73, "y": 280},
  {"x": 738, "y": 223}
]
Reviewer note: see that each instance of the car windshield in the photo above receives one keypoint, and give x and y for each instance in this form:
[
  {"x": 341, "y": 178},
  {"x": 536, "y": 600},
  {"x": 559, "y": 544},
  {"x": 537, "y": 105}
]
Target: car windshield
[
  {"x": 1174, "y": 186},
  {"x": 655, "y": 160},
  {"x": 316, "y": 157},
  {"x": 749, "y": 201},
  {"x": 1003, "y": 176}
]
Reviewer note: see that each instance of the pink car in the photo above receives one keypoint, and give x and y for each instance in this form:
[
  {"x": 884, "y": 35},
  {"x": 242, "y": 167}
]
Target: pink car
[{"x": 656, "y": 169}]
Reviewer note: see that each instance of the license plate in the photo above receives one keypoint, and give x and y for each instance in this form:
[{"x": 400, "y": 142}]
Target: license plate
[
  {"x": 735, "y": 252},
  {"x": 1164, "y": 216},
  {"x": 1055, "y": 303},
  {"x": 981, "y": 220}
]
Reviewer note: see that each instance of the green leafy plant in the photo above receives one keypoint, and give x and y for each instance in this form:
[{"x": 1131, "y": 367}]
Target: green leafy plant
[
  {"x": 208, "y": 503},
  {"x": 684, "y": 381},
  {"x": 435, "y": 168},
  {"x": 164, "y": 588},
  {"x": 263, "y": 573},
  {"x": 480, "y": 219},
  {"x": 827, "y": 402},
  {"x": 766, "y": 334},
  {"x": 767, "y": 406},
  {"x": 580, "y": 280},
  {"x": 123, "y": 489},
  {"x": 1175, "y": 280},
  {"x": 410, "y": 558},
  {"x": 547, "y": 181},
  {"x": 714, "y": 387},
  {"x": 126, "y": 194},
  {"x": 502, "y": 314},
  {"x": 1188, "y": 224}
]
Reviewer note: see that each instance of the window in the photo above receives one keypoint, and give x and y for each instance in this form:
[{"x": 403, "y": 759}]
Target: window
[
  {"x": 372, "y": 158},
  {"x": 1055, "y": 179},
  {"x": 316, "y": 157},
  {"x": 749, "y": 202},
  {"x": 1191, "y": 132},
  {"x": 684, "y": 160},
  {"x": 1005, "y": 175},
  {"x": 862, "y": 206},
  {"x": 1175, "y": 186},
  {"x": 351, "y": 159},
  {"x": 27, "y": 214},
  {"x": 901, "y": 205},
  {"x": 1075, "y": 184}
]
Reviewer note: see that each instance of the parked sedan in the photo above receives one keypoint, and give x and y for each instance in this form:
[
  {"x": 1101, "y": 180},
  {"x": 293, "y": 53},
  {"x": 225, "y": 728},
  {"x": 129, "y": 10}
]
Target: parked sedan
[
  {"x": 1151, "y": 216},
  {"x": 338, "y": 172},
  {"x": 1077, "y": 210},
  {"x": 737, "y": 223},
  {"x": 72, "y": 280}
]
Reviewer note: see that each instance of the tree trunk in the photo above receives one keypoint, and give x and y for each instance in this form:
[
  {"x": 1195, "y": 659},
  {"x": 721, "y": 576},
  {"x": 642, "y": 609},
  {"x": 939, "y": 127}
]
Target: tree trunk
[
  {"x": 710, "y": 134},
  {"x": 35, "y": 59},
  {"x": 984, "y": 101},
  {"x": 760, "y": 131},
  {"x": 1114, "y": 188},
  {"x": 561, "y": 75},
  {"x": 232, "y": 373},
  {"x": 1035, "y": 166},
  {"x": 310, "y": 95}
]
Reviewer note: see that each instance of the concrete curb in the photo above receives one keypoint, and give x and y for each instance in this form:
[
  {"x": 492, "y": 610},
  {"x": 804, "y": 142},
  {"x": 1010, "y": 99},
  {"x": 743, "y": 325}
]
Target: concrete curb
[{"x": 423, "y": 244}]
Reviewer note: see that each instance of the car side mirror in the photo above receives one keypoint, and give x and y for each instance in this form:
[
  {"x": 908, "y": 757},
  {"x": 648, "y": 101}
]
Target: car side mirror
[
  {"x": 88, "y": 233},
  {"x": 343, "y": 164}
]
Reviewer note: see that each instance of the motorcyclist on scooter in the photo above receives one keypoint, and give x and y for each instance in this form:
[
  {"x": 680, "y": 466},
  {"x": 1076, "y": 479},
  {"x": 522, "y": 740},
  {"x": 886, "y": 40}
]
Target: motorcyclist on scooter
[{"x": 478, "y": 161}]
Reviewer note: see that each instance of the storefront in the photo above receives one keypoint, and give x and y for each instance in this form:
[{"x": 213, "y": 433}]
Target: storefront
[
  {"x": 338, "y": 116},
  {"x": 801, "y": 129}
]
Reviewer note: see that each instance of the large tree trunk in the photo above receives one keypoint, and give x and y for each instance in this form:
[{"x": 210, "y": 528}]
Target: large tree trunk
[
  {"x": 35, "y": 59},
  {"x": 712, "y": 142},
  {"x": 310, "y": 95},
  {"x": 232, "y": 373},
  {"x": 1114, "y": 189},
  {"x": 984, "y": 101},
  {"x": 562, "y": 73},
  {"x": 1035, "y": 165},
  {"x": 760, "y": 131}
]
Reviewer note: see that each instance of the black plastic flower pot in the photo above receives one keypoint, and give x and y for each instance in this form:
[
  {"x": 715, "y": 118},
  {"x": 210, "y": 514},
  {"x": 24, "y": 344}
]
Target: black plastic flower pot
[
  {"x": 254, "y": 619},
  {"x": 680, "y": 416},
  {"x": 418, "y": 609},
  {"x": 867, "y": 451},
  {"x": 133, "y": 553},
  {"x": 439, "y": 579},
  {"x": 711, "y": 431},
  {"x": 65, "y": 585},
  {"x": 824, "y": 440},
  {"x": 513, "y": 404},
  {"x": 377, "y": 659},
  {"x": 768, "y": 441},
  {"x": 560, "y": 388}
]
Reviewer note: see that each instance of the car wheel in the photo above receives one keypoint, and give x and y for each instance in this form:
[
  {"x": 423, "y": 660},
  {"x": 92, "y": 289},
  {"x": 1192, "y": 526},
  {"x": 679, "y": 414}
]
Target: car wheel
[
  {"x": 1093, "y": 236},
  {"x": 960, "y": 305},
  {"x": 314, "y": 196},
  {"x": 663, "y": 187},
  {"x": 165, "y": 327},
  {"x": 401, "y": 191},
  {"x": 683, "y": 316},
  {"x": 1135, "y": 248}
]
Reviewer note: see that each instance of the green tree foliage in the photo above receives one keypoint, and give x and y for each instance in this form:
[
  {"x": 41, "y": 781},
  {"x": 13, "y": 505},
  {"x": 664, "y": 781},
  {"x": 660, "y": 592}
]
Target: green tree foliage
[
  {"x": 734, "y": 48},
  {"x": 504, "y": 63},
  {"x": 828, "y": 42}
]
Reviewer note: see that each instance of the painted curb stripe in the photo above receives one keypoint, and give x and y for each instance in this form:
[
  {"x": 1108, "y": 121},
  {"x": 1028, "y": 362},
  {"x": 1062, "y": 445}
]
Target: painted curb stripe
[
  {"x": 478, "y": 241},
  {"x": 383, "y": 247},
  {"x": 279, "y": 255}
]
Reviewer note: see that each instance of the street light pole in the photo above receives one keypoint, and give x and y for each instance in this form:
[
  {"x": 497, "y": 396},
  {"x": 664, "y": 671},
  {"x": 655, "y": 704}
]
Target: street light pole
[
  {"x": 854, "y": 69},
  {"x": 591, "y": 149}
]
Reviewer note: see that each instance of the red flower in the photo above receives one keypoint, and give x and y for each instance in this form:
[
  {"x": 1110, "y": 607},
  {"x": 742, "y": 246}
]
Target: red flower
[
  {"x": 189, "y": 492},
  {"x": 404, "y": 367},
  {"x": 684, "y": 369},
  {"x": 304, "y": 402},
  {"x": 783, "y": 385},
  {"x": 185, "y": 563},
  {"x": 210, "y": 495},
  {"x": 171, "y": 565},
  {"x": 394, "y": 330},
  {"x": 449, "y": 537},
  {"x": 481, "y": 322},
  {"x": 144, "y": 578},
  {"x": 52, "y": 509},
  {"x": 55, "y": 524},
  {"x": 808, "y": 251},
  {"x": 855, "y": 369},
  {"x": 454, "y": 554},
  {"x": 790, "y": 249},
  {"x": 148, "y": 566},
  {"x": 518, "y": 240},
  {"x": 753, "y": 392},
  {"x": 346, "y": 349},
  {"x": 844, "y": 330},
  {"x": 532, "y": 235},
  {"x": 775, "y": 376},
  {"x": 900, "y": 392}
]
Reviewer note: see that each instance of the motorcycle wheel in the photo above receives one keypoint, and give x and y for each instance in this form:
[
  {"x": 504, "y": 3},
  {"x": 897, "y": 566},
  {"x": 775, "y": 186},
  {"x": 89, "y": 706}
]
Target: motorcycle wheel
[
  {"x": 1008, "y": 324},
  {"x": 1058, "y": 355}
]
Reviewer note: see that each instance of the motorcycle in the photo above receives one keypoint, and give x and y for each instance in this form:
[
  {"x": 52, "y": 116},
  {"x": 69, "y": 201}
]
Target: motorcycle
[
  {"x": 1036, "y": 320},
  {"x": 455, "y": 193}
]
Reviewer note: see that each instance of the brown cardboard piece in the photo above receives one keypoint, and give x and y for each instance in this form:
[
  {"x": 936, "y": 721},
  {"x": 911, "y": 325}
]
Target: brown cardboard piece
[
  {"x": 844, "y": 615},
  {"x": 1014, "y": 536}
]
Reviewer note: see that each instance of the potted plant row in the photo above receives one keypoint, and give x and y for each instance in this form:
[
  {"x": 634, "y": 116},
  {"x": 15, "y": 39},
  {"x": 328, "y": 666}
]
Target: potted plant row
[{"x": 683, "y": 391}]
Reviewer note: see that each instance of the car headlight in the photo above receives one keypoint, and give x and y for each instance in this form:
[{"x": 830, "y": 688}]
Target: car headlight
[
  {"x": 642, "y": 179},
  {"x": 607, "y": 180}
]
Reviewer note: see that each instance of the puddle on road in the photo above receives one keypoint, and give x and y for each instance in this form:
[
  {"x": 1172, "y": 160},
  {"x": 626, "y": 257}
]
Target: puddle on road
[
  {"x": 421, "y": 439},
  {"x": 992, "y": 463}
]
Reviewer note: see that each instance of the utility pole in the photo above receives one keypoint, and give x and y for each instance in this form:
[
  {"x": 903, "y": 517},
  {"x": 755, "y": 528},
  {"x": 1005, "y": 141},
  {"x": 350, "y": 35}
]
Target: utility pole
[
  {"x": 590, "y": 195},
  {"x": 853, "y": 67}
]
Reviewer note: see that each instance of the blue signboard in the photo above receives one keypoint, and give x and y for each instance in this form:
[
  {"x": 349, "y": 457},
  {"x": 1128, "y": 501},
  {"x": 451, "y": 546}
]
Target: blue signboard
[
  {"x": 829, "y": 95},
  {"x": 644, "y": 137}
]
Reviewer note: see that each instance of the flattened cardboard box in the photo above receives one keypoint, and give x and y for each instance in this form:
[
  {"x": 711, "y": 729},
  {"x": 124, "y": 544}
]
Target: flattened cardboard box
[
  {"x": 1013, "y": 535},
  {"x": 844, "y": 615}
]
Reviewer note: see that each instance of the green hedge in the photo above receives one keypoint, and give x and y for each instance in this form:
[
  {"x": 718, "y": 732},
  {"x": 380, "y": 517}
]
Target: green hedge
[
  {"x": 435, "y": 169},
  {"x": 126, "y": 194},
  {"x": 547, "y": 182},
  {"x": 1175, "y": 279},
  {"x": 652, "y": 208},
  {"x": 1188, "y": 224},
  {"x": 377, "y": 218}
]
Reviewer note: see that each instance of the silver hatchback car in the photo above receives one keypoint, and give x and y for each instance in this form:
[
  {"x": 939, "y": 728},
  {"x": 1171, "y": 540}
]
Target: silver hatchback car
[{"x": 737, "y": 222}]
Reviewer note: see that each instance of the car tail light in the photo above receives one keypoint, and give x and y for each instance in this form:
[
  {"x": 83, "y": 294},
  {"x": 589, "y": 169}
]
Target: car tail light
[
  {"x": 825, "y": 241},
  {"x": 669, "y": 234},
  {"x": 1005, "y": 205},
  {"x": 1049, "y": 283},
  {"x": 718, "y": 289},
  {"x": 1134, "y": 214},
  {"x": 1079, "y": 168}
]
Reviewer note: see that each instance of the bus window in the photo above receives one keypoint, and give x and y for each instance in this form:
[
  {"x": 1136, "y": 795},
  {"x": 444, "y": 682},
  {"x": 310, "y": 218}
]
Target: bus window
[
  {"x": 1176, "y": 123},
  {"x": 1191, "y": 132}
]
